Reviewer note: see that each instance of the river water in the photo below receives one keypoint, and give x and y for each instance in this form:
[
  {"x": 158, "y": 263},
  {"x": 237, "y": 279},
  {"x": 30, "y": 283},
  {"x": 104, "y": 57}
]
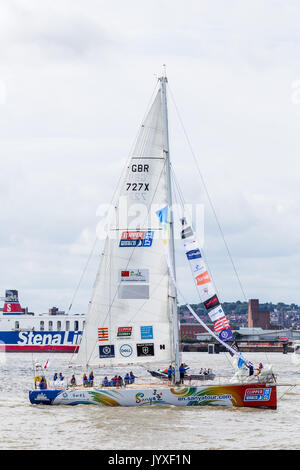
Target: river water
[{"x": 26, "y": 426}]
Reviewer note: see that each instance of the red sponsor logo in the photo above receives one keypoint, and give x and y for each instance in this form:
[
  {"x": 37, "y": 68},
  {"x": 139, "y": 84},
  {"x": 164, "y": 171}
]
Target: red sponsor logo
[
  {"x": 124, "y": 273},
  {"x": 124, "y": 329},
  {"x": 255, "y": 391},
  {"x": 133, "y": 235},
  {"x": 102, "y": 334},
  {"x": 212, "y": 302}
]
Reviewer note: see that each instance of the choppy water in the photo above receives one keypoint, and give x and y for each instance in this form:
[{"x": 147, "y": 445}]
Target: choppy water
[{"x": 26, "y": 426}]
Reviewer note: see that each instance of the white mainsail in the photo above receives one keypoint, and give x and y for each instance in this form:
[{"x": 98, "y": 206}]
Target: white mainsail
[{"x": 129, "y": 320}]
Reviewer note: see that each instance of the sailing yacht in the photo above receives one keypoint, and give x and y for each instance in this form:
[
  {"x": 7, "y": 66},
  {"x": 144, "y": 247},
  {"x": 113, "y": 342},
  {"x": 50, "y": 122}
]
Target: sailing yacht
[{"x": 132, "y": 318}]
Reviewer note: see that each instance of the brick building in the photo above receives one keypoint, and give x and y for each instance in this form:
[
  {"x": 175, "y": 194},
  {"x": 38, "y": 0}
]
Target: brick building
[
  {"x": 191, "y": 330},
  {"x": 257, "y": 317}
]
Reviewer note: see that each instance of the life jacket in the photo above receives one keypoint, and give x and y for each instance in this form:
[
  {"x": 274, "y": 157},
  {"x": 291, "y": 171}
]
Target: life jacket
[{"x": 37, "y": 379}]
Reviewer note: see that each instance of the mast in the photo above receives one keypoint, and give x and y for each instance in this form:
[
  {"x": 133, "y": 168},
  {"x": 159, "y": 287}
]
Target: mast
[{"x": 173, "y": 293}]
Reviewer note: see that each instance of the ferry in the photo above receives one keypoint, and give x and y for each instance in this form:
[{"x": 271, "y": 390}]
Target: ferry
[{"x": 23, "y": 331}]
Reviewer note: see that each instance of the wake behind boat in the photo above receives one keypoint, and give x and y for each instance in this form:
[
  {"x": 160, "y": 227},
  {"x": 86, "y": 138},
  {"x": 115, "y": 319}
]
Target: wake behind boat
[{"x": 132, "y": 317}]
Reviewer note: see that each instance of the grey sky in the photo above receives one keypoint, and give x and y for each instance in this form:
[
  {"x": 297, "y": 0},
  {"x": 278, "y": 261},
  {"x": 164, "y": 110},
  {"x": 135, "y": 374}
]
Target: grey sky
[{"x": 75, "y": 80}]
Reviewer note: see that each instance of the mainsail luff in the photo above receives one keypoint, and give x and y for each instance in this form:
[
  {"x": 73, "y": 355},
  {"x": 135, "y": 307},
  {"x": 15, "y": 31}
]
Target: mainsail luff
[
  {"x": 173, "y": 291},
  {"x": 129, "y": 319}
]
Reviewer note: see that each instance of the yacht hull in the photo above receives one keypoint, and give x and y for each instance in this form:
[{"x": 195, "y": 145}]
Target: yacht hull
[{"x": 240, "y": 395}]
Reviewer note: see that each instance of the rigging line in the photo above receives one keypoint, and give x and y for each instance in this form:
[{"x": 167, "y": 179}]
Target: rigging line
[
  {"x": 82, "y": 274},
  {"x": 77, "y": 289},
  {"x": 287, "y": 391},
  {"x": 228, "y": 357},
  {"x": 208, "y": 195},
  {"x": 202, "y": 250}
]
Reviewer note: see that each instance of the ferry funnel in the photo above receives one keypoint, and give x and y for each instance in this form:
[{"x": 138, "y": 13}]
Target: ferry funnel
[{"x": 11, "y": 303}]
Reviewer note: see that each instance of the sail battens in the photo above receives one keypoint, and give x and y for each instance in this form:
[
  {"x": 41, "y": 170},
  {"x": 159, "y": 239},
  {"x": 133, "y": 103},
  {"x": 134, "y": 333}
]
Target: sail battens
[
  {"x": 157, "y": 229},
  {"x": 148, "y": 158}
]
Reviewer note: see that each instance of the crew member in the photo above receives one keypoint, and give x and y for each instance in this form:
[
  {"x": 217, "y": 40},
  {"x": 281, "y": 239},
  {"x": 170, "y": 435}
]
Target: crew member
[
  {"x": 170, "y": 373},
  {"x": 182, "y": 370},
  {"x": 43, "y": 383},
  {"x": 105, "y": 382},
  {"x": 91, "y": 379},
  {"x": 73, "y": 380},
  {"x": 85, "y": 380},
  {"x": 260, "y": 367},
  {"x": 251, "y": 368}
]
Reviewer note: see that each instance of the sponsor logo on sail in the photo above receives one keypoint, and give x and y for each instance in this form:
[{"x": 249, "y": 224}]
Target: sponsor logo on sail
[
  {"x": 124, "y": 331},
  {"x": 126, "y": 350},
  {"x": 146, "y": 332},
  {"x": 145, "y": 349},
  {"x": 107, "y": 351},
  {"x": 134, "y": 275},
  {"x": 136, "y": 238},
  {"x": 134, "y": 284},
  {"x": 133, "y": 291},
  {"x": 102, "y": 334}
]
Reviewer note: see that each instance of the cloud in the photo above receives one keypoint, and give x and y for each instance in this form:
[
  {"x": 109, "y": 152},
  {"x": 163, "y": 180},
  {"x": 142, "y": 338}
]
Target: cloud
[
  {"x": 77, "y": 80},
  {"x": 41, "y": 33}
]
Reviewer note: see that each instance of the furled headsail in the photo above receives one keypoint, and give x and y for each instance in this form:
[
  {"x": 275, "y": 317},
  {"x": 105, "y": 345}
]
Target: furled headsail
[
  {"x": 222, "y": 332},
  {"x": 204, "y": 283}
]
